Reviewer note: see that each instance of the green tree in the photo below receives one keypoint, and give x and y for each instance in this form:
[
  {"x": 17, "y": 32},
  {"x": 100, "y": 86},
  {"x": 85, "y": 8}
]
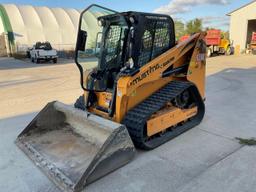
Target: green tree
[
  {"x": 179, "y": 29},
  {"x": 194, "y": 26},
  {"x": 225, "y": 35},
  {"x": 209, "y": 28}
]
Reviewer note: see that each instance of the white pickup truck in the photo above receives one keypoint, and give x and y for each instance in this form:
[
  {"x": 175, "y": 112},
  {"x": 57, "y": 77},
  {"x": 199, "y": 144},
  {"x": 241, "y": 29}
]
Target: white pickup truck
[{"x": 43, "y": 51}]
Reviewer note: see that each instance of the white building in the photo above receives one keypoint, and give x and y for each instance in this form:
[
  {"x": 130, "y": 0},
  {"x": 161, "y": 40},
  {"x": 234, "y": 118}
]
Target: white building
[
  {"x": 242, "y": 24},
  {"x": 21, "y": 26}
]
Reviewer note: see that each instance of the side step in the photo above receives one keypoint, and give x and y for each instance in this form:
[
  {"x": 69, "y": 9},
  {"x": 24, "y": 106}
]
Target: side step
[{"x": 75, "y": 148}]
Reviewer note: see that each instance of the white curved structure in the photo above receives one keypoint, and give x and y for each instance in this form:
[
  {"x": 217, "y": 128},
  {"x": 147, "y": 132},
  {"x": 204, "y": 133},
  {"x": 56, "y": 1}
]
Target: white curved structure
[{"x": 30, "y": 24}]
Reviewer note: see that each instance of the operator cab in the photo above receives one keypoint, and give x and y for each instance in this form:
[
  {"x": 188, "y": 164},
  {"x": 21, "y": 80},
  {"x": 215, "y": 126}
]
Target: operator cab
[{"x": 119, "y": 43}]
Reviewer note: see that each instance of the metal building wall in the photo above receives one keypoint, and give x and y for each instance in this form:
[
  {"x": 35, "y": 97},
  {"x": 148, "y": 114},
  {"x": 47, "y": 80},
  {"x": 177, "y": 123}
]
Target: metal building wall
[{"x": 239, "y": 24}]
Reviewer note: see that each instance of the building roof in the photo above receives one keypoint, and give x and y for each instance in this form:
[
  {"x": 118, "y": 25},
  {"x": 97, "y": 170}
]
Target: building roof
[{"x": 254, "y": 1}]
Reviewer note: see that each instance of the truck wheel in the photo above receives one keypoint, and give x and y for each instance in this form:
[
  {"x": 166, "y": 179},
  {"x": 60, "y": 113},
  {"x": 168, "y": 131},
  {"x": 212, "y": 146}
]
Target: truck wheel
[
  {"x": 79, "y": 104},
  {"x": 55, "y": 60},
  {"x": 228, "y": 51},
  {"x": 254, "y": 51},
  {"x": 209, "y": 52}
]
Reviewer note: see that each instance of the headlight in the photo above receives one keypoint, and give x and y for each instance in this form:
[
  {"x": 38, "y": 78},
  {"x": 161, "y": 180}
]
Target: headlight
[
  {"x": 132, "y": 20},
  {"x": 101, "y": 22}
]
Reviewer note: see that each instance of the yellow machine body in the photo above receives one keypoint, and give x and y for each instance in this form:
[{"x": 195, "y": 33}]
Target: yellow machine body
[
  {"x": 225, "y": 44},
  {"x": 133, "y": 90}
]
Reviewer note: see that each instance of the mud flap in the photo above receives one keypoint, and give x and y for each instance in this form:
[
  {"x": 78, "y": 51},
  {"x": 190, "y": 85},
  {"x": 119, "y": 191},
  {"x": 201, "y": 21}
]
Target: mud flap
[{"x": 73, "y": 147}]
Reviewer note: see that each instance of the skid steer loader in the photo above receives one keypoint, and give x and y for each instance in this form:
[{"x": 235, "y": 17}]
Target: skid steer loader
[{"x": 140, "y": 89}]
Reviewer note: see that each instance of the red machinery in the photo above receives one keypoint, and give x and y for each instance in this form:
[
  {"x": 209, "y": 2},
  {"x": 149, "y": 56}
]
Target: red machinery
[
  {"x": 216, "y": 44},
  {"x": 254, "y": 38},
  {"x": 253, "y": 43},
  {"x": 184, "y": 38},
  {"x": 213, "y": 37}
]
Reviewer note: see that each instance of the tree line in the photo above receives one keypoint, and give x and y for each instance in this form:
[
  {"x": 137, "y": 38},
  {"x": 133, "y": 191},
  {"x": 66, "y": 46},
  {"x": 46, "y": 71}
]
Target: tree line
[{"x": 191, "y": 27}]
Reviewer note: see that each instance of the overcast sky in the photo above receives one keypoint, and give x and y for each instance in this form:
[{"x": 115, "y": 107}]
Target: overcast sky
[{"x": 213, "y": 12}]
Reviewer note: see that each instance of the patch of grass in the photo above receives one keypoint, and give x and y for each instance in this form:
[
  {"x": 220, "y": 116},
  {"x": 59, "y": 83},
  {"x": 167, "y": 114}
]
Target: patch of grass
[{"x": 249, "y": 142}]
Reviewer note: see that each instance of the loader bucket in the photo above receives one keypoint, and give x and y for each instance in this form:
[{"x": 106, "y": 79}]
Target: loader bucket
[{"x": 73, "y": 147}]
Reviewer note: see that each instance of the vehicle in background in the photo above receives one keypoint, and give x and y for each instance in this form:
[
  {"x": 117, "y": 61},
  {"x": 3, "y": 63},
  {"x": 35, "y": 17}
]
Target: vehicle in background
[
  {"x": 184, "y": 38},
  {"x": 216, "y": 44},
  {"x": 43, "y": 51},
  {"x": 253, "y": 43}
]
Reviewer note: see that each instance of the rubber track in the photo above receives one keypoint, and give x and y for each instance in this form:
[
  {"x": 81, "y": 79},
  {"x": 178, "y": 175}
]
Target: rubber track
[{"x": 136, "y": 119}]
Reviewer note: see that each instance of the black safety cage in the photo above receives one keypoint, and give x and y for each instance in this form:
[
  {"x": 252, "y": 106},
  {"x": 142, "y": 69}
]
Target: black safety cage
[{"x": 154, "y": 34}]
